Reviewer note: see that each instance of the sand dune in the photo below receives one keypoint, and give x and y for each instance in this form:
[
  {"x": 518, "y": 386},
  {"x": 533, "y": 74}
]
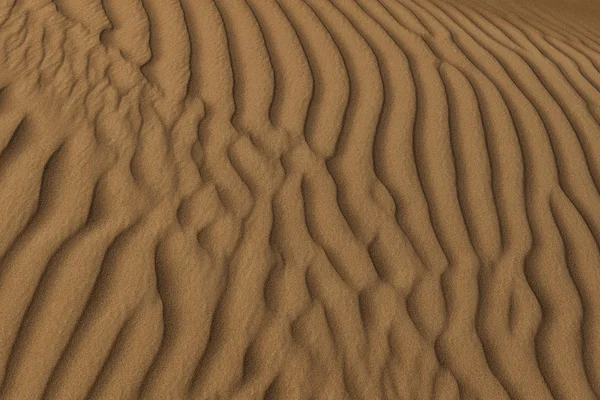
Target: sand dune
[{"x": 299, "y": 199}]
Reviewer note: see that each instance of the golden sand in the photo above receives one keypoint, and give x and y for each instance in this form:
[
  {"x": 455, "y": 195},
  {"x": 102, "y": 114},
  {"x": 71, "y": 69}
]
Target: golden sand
[{"x": 299, "y": 199}]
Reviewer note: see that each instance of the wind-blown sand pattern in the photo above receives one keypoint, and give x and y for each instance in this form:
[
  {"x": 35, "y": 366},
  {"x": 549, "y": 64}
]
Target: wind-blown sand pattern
[{"x": 299, "y": 199}]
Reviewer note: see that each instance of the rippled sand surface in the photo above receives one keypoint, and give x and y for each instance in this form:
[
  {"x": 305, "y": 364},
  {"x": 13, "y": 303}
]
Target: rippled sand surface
[{"x": 299, "y": 199}]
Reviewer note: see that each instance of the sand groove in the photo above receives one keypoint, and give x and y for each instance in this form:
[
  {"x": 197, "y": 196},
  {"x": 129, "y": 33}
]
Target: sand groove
[{"x": 299, "y": 199}]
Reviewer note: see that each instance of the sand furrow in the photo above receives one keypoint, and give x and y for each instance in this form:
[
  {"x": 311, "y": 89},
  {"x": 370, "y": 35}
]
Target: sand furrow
[
  {"x": 535, "y": 277},
  {"x": 405, "y": 17},
  {"x": 330, "y": 86},
  {"x": 252, "y": 94},
  {"x": 534, "y": 37},
  {"x": 168, "y": 66},
  {"x": 292, "y": 76},
  {"x": 583, "y": 125},
  {"x": 508, "y": 154},
  {"x": 89, "y": 13},
  {"x": 386, "y": 233},
  {"x": 543, "y": 331},
  {"x": 559, "y": 121},
  {"x": 581, "y": 30},
  {"x": 460, "y": 267},
  {"x": 402, "y": 179},
  {"x": 299, "y": 199},
  {"x": 129, "y": 30},
  {"x": 586, "y": 283}
]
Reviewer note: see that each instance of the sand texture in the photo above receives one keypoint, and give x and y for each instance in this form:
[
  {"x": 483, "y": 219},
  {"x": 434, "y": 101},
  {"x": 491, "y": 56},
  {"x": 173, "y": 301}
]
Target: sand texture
[{"x": 299, "y": 199}]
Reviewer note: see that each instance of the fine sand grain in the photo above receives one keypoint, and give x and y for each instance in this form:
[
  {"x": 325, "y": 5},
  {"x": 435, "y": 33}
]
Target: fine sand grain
[{"x": 299, "y": 199}]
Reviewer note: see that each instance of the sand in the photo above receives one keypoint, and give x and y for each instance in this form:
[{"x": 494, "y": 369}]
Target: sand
[{"x": 299, "y": 199}]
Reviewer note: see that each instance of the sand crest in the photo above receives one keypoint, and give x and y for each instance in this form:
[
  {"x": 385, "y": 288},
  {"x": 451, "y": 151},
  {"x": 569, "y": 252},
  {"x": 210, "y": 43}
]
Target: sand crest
[{"x": 299, "y": 199}]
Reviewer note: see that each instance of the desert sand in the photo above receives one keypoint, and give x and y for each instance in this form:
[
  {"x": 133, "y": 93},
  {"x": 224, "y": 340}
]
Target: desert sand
[{"x": 299, "y": 199}]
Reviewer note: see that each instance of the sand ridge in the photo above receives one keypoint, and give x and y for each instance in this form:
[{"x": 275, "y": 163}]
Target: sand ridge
[{"x": 297, "y": 199}]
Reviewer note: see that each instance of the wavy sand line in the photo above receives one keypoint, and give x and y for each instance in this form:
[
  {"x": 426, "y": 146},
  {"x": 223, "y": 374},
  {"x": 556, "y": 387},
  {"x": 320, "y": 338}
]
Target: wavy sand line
[{"x": 298, "y": 199}]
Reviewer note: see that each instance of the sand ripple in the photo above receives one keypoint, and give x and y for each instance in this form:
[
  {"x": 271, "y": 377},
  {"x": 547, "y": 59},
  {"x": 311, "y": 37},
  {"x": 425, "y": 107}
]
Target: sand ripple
[{"x": 298, "y": 199}]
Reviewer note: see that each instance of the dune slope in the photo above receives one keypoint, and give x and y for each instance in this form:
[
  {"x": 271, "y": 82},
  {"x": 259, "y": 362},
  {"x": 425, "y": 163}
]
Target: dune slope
[{"x": 299, "y": 199}]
